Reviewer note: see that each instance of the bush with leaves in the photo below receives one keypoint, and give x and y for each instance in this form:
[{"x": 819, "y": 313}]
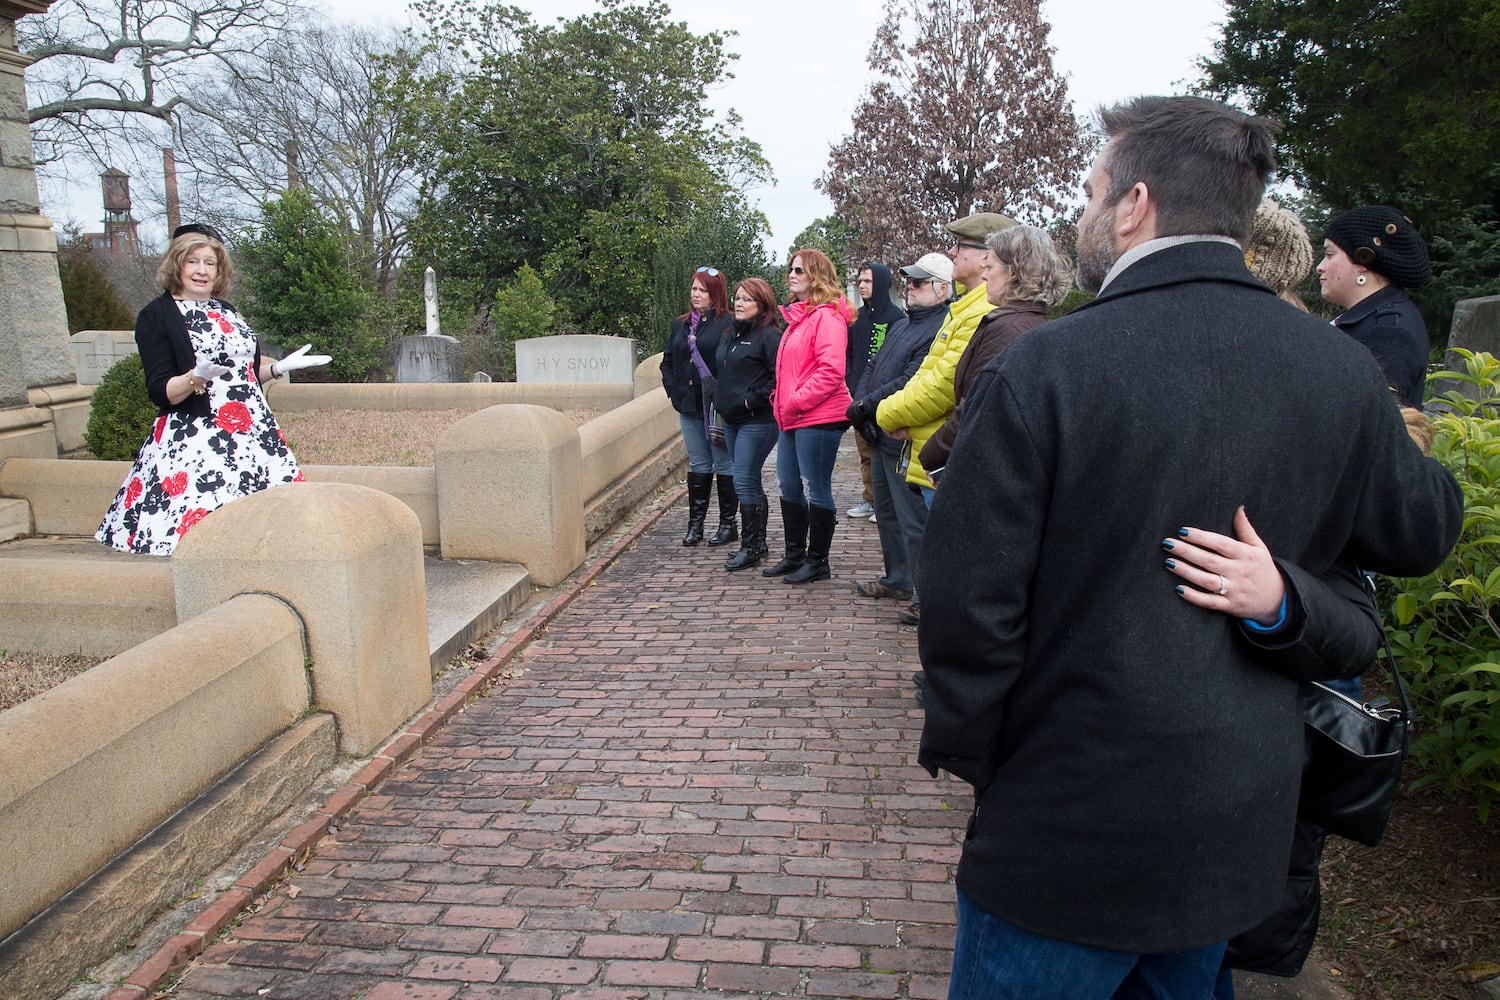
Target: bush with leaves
[
  {"x": 120, "y": 413},
  {"x": 305, "y": 286},
  {"x": 1444, "y": 627},
  {"x": 522, "y": 310}
]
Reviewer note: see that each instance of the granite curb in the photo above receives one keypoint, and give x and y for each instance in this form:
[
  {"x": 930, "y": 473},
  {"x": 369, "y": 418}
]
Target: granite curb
[{"x": 180, "y": 950}]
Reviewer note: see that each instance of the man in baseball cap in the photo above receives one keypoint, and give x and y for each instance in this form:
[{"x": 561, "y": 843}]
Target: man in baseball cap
[{"x": 900, "y": 515}]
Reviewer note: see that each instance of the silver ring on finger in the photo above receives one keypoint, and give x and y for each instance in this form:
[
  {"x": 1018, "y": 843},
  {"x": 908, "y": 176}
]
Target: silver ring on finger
[{"x": 1223, "y": 587}]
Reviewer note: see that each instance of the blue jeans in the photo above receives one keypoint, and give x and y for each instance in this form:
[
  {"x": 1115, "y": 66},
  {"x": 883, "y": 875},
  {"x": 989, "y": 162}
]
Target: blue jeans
[
  {"x": 749, "y": 444},
  {"x": 807, "y": 453},
  {"x": 996, "y": 960},
  {"x": 702, "y": 456}
]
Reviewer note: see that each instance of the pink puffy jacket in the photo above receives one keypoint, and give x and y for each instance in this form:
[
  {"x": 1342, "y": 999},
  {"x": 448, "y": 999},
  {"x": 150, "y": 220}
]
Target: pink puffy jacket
[{"x": 810, "y": 385}]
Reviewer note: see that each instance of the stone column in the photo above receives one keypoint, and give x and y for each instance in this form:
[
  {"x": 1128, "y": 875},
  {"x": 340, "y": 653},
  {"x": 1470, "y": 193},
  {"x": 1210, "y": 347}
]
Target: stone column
[{"x": 34, "y": 348}]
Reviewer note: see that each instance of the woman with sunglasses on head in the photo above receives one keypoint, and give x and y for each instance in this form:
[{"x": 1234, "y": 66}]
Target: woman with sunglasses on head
[
  {"x": 689, "y": 365},
  {"x": 214, "y": 438},
  {"x": 747, "y": 374},
  {"x": 809, "y": 403}
]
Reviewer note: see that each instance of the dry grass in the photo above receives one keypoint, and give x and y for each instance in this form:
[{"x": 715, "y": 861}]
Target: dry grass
[
  {"x": 372, "y": 437},
  {"x": 26, "y": 675}
]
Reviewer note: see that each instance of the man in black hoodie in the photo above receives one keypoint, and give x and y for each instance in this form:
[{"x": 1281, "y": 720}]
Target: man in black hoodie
[{"x": 876, "y": 313}]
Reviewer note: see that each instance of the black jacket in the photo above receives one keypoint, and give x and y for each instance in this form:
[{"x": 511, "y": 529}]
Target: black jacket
[
  {"x": 161, "y": 336},
  {"x": 906, "y": 344},
  {"x": 747, "y": 373},
  {"x": 679, "y": 376},
  {"x": 1390, "y": 326},
  {"x": 1136, "y": 762},
  {"x": 871, "y": 326}
]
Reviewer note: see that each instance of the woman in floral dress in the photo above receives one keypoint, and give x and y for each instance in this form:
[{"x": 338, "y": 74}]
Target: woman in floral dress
[{"x": 214, "y": 438}]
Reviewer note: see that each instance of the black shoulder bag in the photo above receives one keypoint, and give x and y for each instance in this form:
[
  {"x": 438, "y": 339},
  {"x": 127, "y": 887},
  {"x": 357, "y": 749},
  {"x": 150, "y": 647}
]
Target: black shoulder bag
[{"x": 1354, "y": 753}]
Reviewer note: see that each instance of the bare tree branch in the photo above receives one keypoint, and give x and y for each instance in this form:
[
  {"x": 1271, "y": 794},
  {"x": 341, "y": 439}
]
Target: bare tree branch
[{"x": 104, "y": 70}]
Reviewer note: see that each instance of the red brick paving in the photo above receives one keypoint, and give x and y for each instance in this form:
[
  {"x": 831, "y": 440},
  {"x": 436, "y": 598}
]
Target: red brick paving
[{"x": 700, "y": 783}]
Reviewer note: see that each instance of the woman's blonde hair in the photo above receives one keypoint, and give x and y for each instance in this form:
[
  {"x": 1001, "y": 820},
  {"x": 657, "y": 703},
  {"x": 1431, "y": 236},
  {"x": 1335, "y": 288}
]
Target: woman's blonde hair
[
  {"x": 822, "y": 276},
  {"x": 169, "y": 273},
  {"x": 1038, "y": 272},
  {"x": 1419, "y": 427}
]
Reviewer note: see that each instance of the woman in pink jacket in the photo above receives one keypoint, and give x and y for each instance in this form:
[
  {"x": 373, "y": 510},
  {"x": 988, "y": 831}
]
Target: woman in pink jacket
[{"x": 809, "y": 404}]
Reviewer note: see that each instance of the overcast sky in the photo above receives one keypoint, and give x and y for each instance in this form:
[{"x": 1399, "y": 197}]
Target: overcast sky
[{"x": 802, "y": 69}]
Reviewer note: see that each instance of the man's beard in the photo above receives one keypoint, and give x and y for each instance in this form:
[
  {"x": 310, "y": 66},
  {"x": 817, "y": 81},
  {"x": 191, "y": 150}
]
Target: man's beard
[{"x": 1096, "y": 251}]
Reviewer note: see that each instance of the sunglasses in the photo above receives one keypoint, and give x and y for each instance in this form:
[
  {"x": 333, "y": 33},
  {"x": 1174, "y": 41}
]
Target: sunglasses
[
  {"x": 972, "y": 246},
  {"x": 918, "y": 282},
  {"x": 712, "y": 272},
  {"x": 796, "y": 270}
]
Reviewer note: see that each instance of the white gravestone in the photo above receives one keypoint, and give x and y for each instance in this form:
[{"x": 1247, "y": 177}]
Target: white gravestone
[
  {"x": 431, "y": 357},
  {"x": 576, "y": 358}
]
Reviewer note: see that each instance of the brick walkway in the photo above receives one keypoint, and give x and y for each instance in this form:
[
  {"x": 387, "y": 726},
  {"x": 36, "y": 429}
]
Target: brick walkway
[{"x": 701, "y": 783}]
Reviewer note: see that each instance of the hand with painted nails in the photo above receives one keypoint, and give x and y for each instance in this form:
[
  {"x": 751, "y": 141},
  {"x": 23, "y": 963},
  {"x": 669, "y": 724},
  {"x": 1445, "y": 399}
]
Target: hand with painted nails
[{"x": 1234, "y": 575}]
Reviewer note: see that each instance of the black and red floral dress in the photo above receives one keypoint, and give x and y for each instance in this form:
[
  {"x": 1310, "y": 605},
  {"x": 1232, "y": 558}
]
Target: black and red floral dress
[{"x": 189, "y": 466}]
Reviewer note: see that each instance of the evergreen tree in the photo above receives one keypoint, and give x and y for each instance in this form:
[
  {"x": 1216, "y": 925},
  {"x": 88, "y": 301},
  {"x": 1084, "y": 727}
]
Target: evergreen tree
[
  {"x": 91, "y": 301},
  {"x": 585, "y": 146},
  {"x": 304, "y": 287},
  {"x": 1383, "y": 103}
]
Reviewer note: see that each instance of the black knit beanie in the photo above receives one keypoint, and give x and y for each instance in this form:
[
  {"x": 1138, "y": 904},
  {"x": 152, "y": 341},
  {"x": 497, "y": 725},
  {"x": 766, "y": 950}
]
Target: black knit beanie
[{"x": 1385, "y": 241}]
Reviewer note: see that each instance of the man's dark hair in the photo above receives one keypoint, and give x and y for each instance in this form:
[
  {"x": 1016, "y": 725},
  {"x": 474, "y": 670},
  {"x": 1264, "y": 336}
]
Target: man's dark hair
[{"x": 1205, "y": 164}]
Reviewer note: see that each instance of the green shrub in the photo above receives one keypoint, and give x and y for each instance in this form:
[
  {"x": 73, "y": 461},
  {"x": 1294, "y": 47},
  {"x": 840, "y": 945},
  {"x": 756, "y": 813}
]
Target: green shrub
[
  {"x": 120, "y": 414},
  {"x": 1444, "y": 627},
  {"x": 91, "y": 301}
]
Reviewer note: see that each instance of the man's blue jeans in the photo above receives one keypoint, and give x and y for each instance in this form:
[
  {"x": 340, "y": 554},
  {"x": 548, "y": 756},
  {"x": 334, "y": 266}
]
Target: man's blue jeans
[{"x": 996, "y": 960}]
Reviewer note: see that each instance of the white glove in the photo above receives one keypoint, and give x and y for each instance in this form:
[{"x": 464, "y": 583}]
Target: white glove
[
  {"x": 299, "y": 359},
  {"x": 208, "y": 371}
]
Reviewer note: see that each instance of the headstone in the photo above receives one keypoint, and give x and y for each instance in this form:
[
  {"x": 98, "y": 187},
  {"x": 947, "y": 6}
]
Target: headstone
[
  {"x": 96, "y": 351},
  {"x": 480, "y": 377},
  {"x": 1476, "y": 328},
  {"x": 576, "y": 358},
  {"x": 429, "y": 359},
  {"x": 429, "y": 300}
]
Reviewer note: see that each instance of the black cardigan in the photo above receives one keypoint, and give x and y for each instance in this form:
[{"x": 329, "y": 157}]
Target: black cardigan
[{"x": 166, "y": 351}]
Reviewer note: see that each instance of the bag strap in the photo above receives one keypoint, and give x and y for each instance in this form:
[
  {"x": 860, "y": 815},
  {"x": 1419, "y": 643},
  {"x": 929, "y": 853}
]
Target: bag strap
[{"x": 1385, "y": 644}]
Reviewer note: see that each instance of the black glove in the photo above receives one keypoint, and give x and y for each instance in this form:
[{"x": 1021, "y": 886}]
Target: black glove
[{"x": 857, "y": 413}]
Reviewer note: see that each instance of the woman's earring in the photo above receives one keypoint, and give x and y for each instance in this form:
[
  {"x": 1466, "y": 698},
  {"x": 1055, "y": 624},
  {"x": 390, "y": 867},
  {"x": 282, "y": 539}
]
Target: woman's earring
[{"x": 1360, "y": 280}]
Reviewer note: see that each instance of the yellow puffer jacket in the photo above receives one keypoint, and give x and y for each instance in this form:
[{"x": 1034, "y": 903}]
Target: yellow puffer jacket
[{"x": 926, "y": 400}]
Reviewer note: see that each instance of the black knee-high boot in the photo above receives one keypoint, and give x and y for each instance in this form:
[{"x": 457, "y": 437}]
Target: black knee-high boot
[
  {"x": 729, "y": 505},
  {"x": 794, "y": 522},
  {"x": 820, "y": 522},
  {"x": 700, "y": 484},
  {"x": 753, "y": 543}
]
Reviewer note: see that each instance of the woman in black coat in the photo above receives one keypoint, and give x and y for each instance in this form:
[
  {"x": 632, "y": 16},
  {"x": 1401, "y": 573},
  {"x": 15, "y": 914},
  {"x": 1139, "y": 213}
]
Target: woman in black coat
[
  {"x": 1370, "y": 256},
  {"x": 747, "y": 374},
  {"x": 688, "y": 366}
]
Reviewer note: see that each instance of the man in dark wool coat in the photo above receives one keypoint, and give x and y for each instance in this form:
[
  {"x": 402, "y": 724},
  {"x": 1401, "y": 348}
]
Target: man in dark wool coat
[{"x": 1135, "y": 767}]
